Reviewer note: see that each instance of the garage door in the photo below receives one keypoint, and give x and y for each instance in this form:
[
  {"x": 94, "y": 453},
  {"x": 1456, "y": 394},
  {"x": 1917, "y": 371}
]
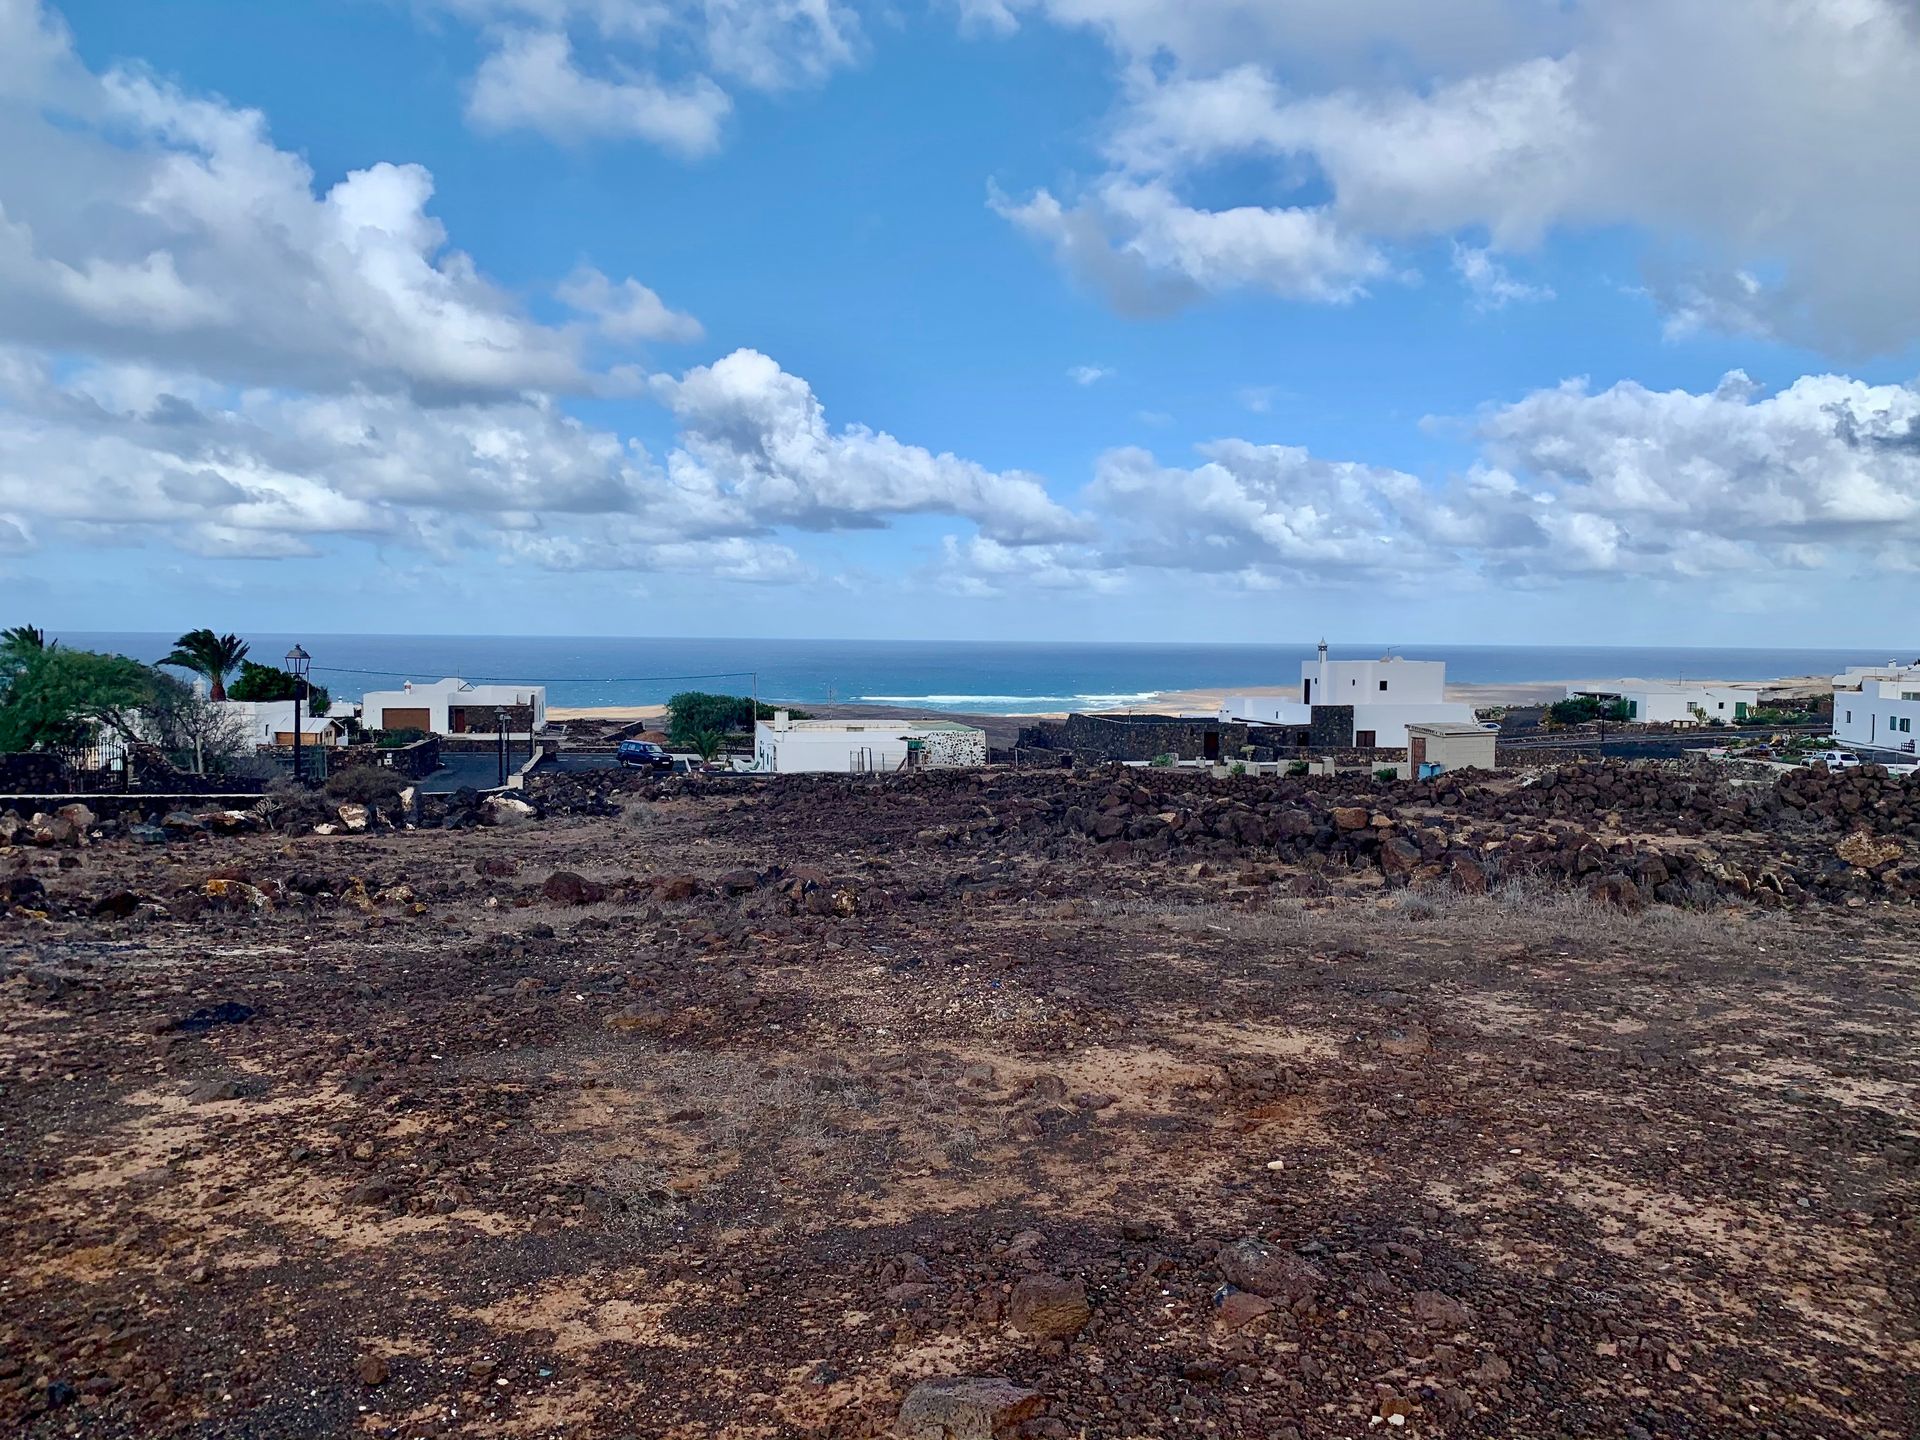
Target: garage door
[{"x": 404, "y": 719}]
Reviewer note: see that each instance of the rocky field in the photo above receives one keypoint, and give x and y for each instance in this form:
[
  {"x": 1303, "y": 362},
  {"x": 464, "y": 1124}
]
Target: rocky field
[{"x": 958, "y": 1106}]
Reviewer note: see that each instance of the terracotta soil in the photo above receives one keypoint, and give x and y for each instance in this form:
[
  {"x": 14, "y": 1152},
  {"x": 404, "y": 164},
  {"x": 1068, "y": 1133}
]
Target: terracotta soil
[{"x": 753, "y": 1162}]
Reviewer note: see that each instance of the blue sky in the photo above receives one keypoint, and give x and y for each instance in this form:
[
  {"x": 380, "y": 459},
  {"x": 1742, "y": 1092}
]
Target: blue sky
[{"x": 1058, "y": 318}]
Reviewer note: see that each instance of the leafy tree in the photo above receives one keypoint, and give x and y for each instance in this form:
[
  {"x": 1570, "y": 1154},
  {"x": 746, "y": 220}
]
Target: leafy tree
[
  {"x": 694, "y": 712},
  {"x": 65, "y": 697},
  {"x": 267, "y": 682},
  {"x": 1582, "y": 708},
  {"x": 209, "y": 655},
  {"x": 19, "y": 646}
]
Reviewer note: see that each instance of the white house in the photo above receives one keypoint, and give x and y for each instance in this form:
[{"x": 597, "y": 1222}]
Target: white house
[
  {"x": 1672, "y": 702},
  {"x": 1878, "y": 708},
  {"x": 1384, "y": 696},
  {"x": 456, "y": 707},
  {"x": 270, "y": 722},
  {"x": 785, "y": 746}
]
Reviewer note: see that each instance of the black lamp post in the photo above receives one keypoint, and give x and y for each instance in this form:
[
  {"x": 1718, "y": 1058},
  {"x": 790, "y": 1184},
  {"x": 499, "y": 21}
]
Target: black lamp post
[
  {"x": 297, "y": 662},
  {"x": 500, "y": 719}
]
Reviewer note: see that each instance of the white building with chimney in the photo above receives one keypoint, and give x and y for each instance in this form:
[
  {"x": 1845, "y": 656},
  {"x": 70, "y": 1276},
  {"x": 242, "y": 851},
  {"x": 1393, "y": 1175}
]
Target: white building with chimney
[{"x": 1365, "y": 704}]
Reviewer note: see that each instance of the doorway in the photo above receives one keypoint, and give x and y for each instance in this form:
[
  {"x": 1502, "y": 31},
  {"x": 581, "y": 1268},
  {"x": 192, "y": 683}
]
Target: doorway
[{"x": 1363, "y": 740}]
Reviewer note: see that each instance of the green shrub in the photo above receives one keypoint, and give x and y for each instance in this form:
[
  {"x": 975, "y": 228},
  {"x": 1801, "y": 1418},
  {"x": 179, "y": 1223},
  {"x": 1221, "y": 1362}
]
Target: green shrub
[
  {"x": 1386, "y": 772},
  {"x": 1583, "y": 708},
  {"x": 394, "y": 739},
  {"x": 693, "y": 713},
  {"x": 1298, "y": 767},
  {"x": 265, "y": 682},
  {"x": 1161, "y": 762},
  {"x": 1239, "y": 767}
]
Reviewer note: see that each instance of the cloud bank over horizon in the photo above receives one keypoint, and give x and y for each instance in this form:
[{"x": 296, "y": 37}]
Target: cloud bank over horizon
[{"x": 216, "y": 346}]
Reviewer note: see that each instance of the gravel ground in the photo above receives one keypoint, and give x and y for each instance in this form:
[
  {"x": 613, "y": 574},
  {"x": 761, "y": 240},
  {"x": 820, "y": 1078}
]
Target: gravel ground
[{"x": 426, "y": 1139}]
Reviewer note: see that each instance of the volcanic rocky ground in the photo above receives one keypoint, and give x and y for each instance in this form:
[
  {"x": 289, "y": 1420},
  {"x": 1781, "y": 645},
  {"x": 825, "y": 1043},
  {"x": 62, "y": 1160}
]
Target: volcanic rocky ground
[{"x": 741, "y": 1112}]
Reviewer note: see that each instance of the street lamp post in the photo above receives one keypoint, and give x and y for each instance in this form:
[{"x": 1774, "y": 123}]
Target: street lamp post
[
  {"x": 297, "y": 662},
  {"x": 500, "y": 719}
]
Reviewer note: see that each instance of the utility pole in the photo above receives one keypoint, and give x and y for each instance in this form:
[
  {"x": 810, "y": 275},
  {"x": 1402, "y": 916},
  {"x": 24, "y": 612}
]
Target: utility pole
[{"x": 500, "y": 719}]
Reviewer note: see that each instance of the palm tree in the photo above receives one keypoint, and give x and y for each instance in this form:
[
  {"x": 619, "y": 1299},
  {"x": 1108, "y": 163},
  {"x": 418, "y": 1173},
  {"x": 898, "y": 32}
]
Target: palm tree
[
  {"x": 212, "y": 656},
  {"x": 24, "y": 637}
]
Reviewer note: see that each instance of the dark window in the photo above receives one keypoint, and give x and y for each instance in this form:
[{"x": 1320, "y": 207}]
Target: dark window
[{"x": 1383, "y": 684}]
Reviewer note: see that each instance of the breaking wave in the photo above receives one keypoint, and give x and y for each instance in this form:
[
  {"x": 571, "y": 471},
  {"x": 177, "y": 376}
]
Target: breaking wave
[{"x": 1081, "y": 701}]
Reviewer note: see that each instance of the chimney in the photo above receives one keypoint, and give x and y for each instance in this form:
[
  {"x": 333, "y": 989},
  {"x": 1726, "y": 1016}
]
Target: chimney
[
  {"x": 782, "y": 720},
  {"x": 408, "y": 687}
]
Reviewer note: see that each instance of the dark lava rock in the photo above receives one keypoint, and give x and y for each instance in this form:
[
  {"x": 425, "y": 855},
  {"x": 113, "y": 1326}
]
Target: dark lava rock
[
  {"x": 563, "y": 887},
  {"x": 1048, "y": 1307},
  {"x": 1253, "y": 1264}
]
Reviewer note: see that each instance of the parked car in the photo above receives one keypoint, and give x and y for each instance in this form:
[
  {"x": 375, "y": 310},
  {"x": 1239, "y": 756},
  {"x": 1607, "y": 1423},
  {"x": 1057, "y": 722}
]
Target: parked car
[
  {"x": 644, "y": 755},
  {"x": 1837, "y": 759}
]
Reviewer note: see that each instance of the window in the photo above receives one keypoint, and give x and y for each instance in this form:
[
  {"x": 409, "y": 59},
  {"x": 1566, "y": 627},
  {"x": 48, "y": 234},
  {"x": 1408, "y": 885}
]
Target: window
[
  {"x": 1721, "y": 706},
  {"x": 1383, "y": 684},
  {"x": 1849, "y": 717}
]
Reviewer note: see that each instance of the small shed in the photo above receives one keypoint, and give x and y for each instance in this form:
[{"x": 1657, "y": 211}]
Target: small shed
[{"x": 1442, "y": 745}]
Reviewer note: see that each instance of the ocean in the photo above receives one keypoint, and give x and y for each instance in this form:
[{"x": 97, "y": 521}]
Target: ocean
[{"x": 983, "y": 677}]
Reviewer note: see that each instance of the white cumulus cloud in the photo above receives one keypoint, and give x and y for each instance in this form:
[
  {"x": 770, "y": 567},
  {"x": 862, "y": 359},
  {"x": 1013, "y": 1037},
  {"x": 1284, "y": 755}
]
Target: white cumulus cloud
[
  {"x": 754, "y": 441},
  {"x": 1768, "y": 139},
  {"x": 652, "y": 70}
]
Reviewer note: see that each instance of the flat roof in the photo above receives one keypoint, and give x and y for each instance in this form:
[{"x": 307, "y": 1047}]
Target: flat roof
[
  {"x": 866, "y": 723},
  {"x": 1449, "y": 727}
]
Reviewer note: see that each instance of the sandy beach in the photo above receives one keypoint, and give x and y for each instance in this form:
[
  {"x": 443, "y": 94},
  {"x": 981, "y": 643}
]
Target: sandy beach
[{"x": 606, "y": 712}]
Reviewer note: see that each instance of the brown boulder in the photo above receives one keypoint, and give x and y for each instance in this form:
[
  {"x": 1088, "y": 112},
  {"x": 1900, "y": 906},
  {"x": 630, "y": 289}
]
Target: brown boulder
[
  {"x": 1241, "y": 1309},
  {"x": 1253, "y": 1264},
  {"x": 1049, "y": 1308},
  {"x": 1468, "y": 874},
  {"x": 1867, "y": 850},
  {"x": 235, "y": 895},
  {"x": 563, "y": 887},
  {"x": 966, "y": 1407},
  {"x": 1350, "y": 817},
  {"x": 1440, "y": 1312},
  {"x": 675, "y": 887},
  {"x": 1399, "y": 856}
]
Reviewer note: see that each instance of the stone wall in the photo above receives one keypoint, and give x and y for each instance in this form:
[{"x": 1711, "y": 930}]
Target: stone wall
[
  {"x": 415, "y": 761},
  {"x": 1136, "y": 737},
  {"x": 953, "y": 749},
  {"x": 32, "y": 774},
  {"x": 1332, "y": 727},
  {"x": 1671, "y": 832}
]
